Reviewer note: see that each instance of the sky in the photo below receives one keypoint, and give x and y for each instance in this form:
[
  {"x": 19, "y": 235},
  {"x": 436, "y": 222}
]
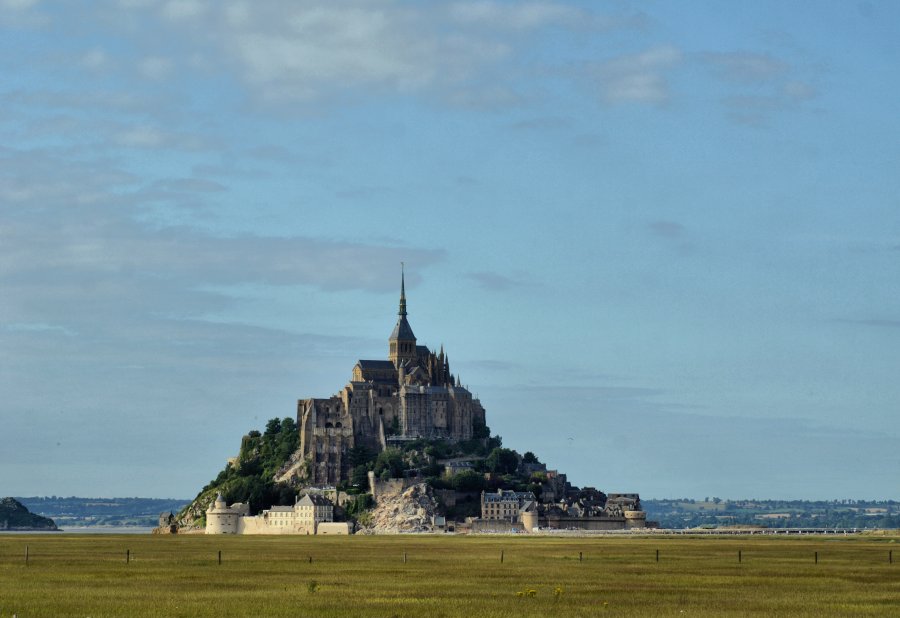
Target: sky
[{"x": 659, "y": 240}]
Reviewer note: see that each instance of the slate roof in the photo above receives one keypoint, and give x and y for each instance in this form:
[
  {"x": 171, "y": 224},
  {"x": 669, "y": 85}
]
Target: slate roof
[
  {"x": 403, "y": 330},
  {"x": 375, "y": 364},
  {"x": 314, "y": 500}
]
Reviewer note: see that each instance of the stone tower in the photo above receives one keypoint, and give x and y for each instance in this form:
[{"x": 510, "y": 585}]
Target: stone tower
[{"x": 402, "y": 341}]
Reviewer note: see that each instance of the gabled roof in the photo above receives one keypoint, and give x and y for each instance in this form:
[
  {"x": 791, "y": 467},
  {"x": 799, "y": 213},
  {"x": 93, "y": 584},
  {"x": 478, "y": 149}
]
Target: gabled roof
[
  {"x": 375, "y": 364},
  {"x": 314, "y": 500},
  {"x": 402, "y": 330}
]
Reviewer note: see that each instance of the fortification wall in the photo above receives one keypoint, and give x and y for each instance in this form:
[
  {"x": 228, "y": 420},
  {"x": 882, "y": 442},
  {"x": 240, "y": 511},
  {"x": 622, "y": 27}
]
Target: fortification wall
[{"x": 584, "y": 523}]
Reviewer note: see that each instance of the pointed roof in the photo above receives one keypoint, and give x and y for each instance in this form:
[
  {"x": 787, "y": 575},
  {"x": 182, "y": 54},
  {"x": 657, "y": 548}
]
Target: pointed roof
[{"x": 402, "y": 330}]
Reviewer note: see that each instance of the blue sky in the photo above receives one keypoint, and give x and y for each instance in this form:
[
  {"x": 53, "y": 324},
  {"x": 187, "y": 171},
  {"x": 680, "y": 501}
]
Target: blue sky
[{"x": 661, "y": 241}]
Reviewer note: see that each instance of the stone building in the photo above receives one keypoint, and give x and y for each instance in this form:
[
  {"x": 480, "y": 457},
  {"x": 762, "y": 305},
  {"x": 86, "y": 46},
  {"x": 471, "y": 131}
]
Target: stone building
[
  {"x": 505, "y": 505},
  {"x": 224, "y": 519},
  {"x": 412, "y": 394},
  {"x": 305, "y": 517}
]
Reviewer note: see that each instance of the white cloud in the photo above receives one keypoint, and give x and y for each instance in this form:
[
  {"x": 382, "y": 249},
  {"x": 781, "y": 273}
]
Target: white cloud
[
  {"x": 799, "y": 90},
  {"x": 152, "y": 137},
  {"x": 155, "y": 67},
  {"x": 184, "y": 9},
  {"x": 17, "y": 5},
  {"x": 518, "y": 16},
  {"x": 95, "y": 60},
  {"x": 638, "y": 77},
  {"x": 459, "y": 53}
]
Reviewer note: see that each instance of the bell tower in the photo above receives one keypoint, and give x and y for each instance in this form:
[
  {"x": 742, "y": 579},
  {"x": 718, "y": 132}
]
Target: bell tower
[{"x": 402, "y": 341}]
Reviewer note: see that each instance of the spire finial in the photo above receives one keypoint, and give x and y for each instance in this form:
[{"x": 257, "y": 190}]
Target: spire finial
[{"x": 402, "y": 290}]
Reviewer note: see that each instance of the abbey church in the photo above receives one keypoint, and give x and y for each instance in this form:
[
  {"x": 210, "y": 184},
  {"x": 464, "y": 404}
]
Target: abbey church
[{"x": 410, "y": 395}]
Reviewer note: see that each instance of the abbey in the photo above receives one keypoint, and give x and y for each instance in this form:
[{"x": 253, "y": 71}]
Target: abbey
[{"x": 410, "y": 395}]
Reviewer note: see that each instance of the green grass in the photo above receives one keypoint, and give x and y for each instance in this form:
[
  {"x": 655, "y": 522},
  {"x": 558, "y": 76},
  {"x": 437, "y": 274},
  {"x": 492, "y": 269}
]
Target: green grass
[{"x": 445, "y": 576}]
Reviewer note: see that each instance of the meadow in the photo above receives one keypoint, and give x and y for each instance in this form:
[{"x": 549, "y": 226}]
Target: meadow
[{"x": 87, "y": 575}]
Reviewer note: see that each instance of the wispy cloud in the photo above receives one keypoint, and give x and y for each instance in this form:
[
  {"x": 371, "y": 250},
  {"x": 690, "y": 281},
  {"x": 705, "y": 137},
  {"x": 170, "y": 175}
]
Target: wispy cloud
[
  {"x": 495, "y": 281},
  {"x": 640, "y": 78},
  {"x": 666, "y": 229},
  {"x": 745, "y": 67},
  {"x": 760, "y": 85},
  {"x": 874, "y": 322}
]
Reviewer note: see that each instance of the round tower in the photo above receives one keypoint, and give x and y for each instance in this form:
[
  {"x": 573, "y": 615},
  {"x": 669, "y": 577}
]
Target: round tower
[
  {"x": 220, "y": 519},
  {"x": 635, "y": 519}
]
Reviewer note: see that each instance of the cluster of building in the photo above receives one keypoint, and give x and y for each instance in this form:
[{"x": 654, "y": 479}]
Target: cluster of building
[
  {"x": 310, "y": 514},
  {"x": 506, "y": 510},
  {"x": 413, "y": 394},
  {"x": 409, "y": 396}
]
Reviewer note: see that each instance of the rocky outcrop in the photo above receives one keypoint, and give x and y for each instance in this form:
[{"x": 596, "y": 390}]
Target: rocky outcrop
[
  {"x": 412, "y": 510},
  {"x": 14, "y": 516}
]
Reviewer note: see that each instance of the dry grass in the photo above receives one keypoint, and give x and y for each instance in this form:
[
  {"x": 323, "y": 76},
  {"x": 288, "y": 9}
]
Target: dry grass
[{"x": 446, "y": 576}]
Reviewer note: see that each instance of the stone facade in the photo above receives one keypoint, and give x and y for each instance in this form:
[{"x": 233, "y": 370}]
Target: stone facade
[
  {"x": 305, "y": 517},
  {"x": 506, "y": 505},
  {"x": 411, "y": 395}
]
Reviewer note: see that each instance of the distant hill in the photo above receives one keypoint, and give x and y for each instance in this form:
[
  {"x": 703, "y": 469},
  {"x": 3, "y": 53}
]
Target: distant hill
[
  {"x": 87, "y": 512},
  {"x": 689, "y": 513},
  {"x": 15, "y": 516}
]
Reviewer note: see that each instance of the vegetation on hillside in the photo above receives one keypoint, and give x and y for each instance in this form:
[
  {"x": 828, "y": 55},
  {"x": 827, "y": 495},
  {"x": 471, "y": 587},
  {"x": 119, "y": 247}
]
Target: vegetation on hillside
[
  {"x": 87, "y": 512},
  {"x": 250, "y": 478},
  {"x": 14, "y": 516}
]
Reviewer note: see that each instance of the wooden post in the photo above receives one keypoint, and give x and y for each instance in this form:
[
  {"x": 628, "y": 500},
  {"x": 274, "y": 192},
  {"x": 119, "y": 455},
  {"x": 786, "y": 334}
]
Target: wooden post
[
  {"x": 890, "y": 556},
  {"x": 127, "y": 556},
  {"x": 220, "y": 556},
  {"x": 404, "y": 557},
  {"x": 580, "y": 557},
  {"x": 817, "y": 557},
  {"x": 310, "y": 559},
  {"x": 739, "y": 556},
  {"x": 26, "y": 555},
  {"x": 501, "y": 556},
  {"x": 657, "y": 555}
]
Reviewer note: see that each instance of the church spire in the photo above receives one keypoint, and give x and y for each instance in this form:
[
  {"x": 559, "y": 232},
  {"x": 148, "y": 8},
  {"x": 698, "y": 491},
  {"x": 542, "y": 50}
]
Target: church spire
[
  {"x": 402, "y": 341},
  {"x": 402, "y": 291}
]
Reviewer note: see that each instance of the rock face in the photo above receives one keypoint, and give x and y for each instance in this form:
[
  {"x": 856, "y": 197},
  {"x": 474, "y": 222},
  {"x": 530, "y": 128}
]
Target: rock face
[
  {"x": 14, "y": 516},
  {"x": 409, "y": 511}
]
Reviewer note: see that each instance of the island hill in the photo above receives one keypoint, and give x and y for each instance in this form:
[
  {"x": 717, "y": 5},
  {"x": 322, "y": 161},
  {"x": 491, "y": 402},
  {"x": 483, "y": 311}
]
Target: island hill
[
  {"x": 14, "y": 516},
  {"x": 404, "y": 446}
]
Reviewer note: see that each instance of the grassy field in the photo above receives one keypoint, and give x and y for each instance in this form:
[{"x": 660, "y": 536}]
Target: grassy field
[{"x": 446, "y": 576}]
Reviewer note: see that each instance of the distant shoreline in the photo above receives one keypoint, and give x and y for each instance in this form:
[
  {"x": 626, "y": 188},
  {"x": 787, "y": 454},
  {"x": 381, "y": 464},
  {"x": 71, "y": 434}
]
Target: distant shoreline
[{"x": 86, "y": 530}]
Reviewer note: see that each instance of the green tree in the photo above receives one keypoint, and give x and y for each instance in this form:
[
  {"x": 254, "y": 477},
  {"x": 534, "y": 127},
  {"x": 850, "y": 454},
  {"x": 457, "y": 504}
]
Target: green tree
[
  {"x": 390, "y": 460},
  {"x": 359, "y": 476},
  {"x": 502, "y": 461},
  {"x": 468, "y": 481},
  {"x": 273, "y": 426}
]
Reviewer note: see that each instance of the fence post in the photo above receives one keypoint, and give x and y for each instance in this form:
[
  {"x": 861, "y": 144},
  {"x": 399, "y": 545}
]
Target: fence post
[
  {"x": 817, "y": 557},
  {"x": 890, "y": 556},
  {"x": 739, "y": 556},
  {"x": 26, "y": 555},
  {"x": 580, "y": 558},
  {"x": 501, "y": 556},
  {"x": 657, "y": 555},
  {"x": 220, "y": 556},
  {"x": 404, "y": 557},
  {"x": 127, "y": 556}
]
